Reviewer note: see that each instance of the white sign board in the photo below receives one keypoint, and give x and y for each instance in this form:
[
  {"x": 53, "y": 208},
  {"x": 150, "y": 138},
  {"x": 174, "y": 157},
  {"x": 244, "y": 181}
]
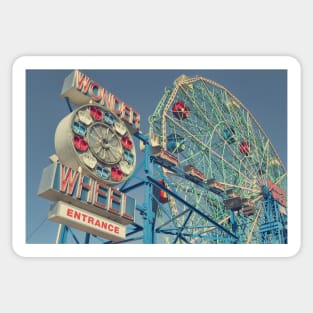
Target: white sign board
[{"x": 88, "y": 222}]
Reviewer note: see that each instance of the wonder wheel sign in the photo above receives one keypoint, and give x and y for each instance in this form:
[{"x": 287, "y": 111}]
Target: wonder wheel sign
[{"x": 94, "y": 151}]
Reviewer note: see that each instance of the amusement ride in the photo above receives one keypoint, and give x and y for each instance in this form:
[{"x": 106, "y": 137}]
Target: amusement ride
[{"x": 209, "y": 175}]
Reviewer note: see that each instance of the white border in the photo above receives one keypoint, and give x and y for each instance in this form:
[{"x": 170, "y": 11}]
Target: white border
[{"x": 157, "y": 62}]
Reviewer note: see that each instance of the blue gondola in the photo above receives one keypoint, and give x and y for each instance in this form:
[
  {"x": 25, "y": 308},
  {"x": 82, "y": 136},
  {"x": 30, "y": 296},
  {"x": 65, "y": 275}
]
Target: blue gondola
[
  {"x": 175, "y": 143},
  {"x": 229, "y": 135},
  {"x": 79, "y": 129},
  {"x": 108, "y": 118},
  {"x": 129, "y": 157},
  {"x": 103, "y": 172}
]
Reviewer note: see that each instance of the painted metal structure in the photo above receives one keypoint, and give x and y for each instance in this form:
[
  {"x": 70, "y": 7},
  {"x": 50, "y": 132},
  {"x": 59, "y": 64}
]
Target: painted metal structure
[
  {"x": 210, "y": 174},
  {"x": 228, "y": 168}
]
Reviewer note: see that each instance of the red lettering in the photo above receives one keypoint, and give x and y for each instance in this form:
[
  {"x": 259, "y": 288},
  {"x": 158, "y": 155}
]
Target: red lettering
[
  {"x": 116, "y": 230},
  {"x": 84, "y": 217},
  {"x": 99, "y": 94},
  {"x": 100, "y": 191},
  {"x": 117, "y": 105},
  {"x": 110, "y": 227},
  {"x": 90, "y": 220},
  {"x": 130, "y": 116},
  {"x": 82, "y": 82},
  {"x": 97, "y": 223},
  {"x": 112, "y": 102},
  {"x": 106, "y": 99},
  {"x": 104, "y": 225},
  {"x": 99, "y": 90},
  {"x": 69, "y": 212},
  {"x": 127, "y": 114},
  {"x": 116, "y": 197},
  {"x": 85, "y": 186},
  {"x": 67, "y": 180},
  {"x": 77, "y": 215}
]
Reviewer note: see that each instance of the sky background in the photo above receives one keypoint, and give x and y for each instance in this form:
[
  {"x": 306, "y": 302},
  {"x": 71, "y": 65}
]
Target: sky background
[{"x": 263, "y": 92}]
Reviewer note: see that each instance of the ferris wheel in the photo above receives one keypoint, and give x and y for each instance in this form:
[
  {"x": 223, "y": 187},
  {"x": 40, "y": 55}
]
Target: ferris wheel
[{"x": 224, "y": 181}]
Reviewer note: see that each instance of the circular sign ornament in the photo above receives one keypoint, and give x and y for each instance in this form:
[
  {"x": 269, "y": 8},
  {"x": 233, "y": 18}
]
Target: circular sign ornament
[{"x": 96, "y": 140}]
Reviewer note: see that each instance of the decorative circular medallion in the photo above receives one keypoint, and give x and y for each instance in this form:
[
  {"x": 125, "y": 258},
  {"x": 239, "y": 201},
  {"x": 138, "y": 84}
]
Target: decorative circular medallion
[
  {"x": 96, "y": 140},
  {"x": 105, "y": 143}
]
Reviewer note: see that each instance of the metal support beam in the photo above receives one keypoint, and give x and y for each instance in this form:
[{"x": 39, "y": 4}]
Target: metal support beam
[
  {"x": 157, "y": 184},
  {"x": 124, "y": 190},
  {"x": 62, "y": 234},
  {"x": 182, "y": 227},
  {"x": 87, "y": 238},
  {"x": 148, "y": 214}
]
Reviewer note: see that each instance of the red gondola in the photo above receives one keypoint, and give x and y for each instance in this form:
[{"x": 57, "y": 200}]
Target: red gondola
[
  {"x": 80, "y": 144},
  {"x": 127, "y": 143},
  {"x": 244, "y": 148},
  {"x": 116, "y": 173},
  {"x": 163, "y": 198},
  {"x": 180, "y": 110},
  {"x": 96, "y": 113}
]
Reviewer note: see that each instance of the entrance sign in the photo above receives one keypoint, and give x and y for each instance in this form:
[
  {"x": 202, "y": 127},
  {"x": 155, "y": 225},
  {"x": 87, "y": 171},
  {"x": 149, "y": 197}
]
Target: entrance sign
[{"x": 75, "y": 217}]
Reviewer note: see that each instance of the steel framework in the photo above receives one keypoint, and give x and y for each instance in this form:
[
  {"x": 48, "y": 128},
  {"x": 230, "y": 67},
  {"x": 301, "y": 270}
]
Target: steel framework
[
  {"x": 205, "y": 174},
  {"x": 272, "y": 229}
]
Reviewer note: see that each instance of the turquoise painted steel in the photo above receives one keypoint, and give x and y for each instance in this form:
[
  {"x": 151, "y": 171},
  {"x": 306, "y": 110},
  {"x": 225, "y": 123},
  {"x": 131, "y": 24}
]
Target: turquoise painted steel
[
  {"x": 62, "y": 235},
  {"x": 273, "y": 226}
]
